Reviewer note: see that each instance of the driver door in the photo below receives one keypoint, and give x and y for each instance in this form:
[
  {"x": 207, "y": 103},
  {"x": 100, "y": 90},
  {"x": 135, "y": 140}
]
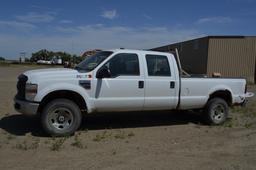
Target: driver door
[{"x": 123, "y": 90}]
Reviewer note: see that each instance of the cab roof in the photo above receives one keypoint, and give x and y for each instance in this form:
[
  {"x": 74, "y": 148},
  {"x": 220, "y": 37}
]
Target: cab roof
[{"x": 138, "y": 51}]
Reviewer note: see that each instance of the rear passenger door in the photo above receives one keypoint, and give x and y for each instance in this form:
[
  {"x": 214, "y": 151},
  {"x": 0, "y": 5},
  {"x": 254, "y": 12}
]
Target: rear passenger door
[{"x": 160, "y": 85}]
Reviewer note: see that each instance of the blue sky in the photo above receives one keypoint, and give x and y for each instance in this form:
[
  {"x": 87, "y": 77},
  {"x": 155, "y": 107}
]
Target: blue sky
[{"x": 76, "y": 26}]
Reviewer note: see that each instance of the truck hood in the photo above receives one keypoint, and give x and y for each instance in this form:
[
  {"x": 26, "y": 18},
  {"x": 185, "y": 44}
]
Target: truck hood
[{"x": 47, "y": 74}]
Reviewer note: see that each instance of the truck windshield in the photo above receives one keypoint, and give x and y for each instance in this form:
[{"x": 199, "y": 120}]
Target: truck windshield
[{"x": 91, "y": 62}]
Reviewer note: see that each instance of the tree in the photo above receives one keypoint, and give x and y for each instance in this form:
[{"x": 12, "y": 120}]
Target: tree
[
  {"x": 65, "y": 56},
  {"x": 49, "y": 55},
  {"x": 40, "y": 55},
  {"x": 27, "y": 59},
  {"x": 2, "y": 59},
  {"x": 77, "y": 59}
]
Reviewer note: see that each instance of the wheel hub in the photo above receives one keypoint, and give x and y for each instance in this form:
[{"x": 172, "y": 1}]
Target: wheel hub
[
  {"x": 61, "y": 118},
  {"x": 218, "y": 112}
]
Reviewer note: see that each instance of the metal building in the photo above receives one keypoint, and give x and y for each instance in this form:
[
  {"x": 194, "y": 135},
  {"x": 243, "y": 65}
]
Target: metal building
[{"x": 232, "y": 56}]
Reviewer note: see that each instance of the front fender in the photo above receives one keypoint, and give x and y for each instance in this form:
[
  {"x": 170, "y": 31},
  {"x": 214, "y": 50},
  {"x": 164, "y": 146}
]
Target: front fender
[{"x": 64, "y": 86}]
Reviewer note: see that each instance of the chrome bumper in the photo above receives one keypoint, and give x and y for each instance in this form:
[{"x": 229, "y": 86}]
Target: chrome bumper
[
  {"x": 248, "y": 94},
  {"x": 242, "y": 100},
  {"x": 26, "y": 107}
]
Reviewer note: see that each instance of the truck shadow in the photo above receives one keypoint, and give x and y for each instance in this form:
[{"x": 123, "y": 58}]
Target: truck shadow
[
  {"x": 139, "y": 119},
  {"x": 20, "y": 125}
]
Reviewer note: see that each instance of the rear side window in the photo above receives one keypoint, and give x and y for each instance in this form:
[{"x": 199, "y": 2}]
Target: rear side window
[
  {"x": 124, "y": 64},
  {"x": 158, "y": 65}
]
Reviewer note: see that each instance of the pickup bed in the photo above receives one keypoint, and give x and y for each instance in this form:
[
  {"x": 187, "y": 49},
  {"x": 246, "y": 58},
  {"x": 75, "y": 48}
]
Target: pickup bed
[{"x": 122, "y": 80}]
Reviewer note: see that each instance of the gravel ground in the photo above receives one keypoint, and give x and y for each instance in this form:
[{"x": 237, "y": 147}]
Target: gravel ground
[{"x": 138, "y": 140}]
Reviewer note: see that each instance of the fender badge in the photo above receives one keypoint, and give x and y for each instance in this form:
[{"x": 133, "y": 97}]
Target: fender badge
[
  {"x": 78, "y": 76},
  {"x": 83, "y": 76}
]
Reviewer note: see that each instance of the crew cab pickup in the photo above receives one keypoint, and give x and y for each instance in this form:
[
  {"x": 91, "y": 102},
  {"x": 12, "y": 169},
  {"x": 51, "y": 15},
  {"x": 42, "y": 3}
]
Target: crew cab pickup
[{"x": 122, "y": 80}]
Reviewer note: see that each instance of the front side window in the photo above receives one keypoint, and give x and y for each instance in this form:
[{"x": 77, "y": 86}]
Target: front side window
[
  {"x": 93, "y": 61},
  {"x": 158, "y": 65},
  {"x": 124, "y": 64}
]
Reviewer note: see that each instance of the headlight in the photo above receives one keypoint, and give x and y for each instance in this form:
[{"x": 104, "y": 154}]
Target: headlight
[{"x": 31, "y": 91}]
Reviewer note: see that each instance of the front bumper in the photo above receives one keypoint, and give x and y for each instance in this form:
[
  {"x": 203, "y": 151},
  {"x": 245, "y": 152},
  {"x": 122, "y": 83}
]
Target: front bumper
[{"x": 26, "y": 107}]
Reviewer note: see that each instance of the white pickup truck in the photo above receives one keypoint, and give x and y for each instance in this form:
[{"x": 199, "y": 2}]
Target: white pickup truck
[{"x": 122, "y": 80}]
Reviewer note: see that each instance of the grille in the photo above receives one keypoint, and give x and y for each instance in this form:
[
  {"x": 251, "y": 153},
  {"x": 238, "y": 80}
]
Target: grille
[{"x": 21, "y": 85}]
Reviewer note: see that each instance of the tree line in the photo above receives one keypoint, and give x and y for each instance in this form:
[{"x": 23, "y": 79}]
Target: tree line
[{"x": 49, "y": 55}]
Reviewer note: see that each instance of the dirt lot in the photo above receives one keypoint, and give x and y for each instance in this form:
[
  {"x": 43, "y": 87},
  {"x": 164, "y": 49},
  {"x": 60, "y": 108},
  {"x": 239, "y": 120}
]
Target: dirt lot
[{"x": 148, "y": 140}]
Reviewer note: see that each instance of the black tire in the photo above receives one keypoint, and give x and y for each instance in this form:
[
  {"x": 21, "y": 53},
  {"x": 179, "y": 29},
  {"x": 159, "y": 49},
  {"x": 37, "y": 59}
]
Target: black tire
[
  {"x": 216, "y": 111},
  {"x": 61, "y": 117}
]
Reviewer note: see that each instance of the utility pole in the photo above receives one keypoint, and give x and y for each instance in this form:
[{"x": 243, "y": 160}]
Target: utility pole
[
  {"x": 72, "y": 52},
  {"x": 22, "y": 56}
]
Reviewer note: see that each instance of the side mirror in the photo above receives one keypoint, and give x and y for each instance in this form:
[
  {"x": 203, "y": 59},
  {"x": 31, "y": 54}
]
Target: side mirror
[{"x": 103, "y": 73}]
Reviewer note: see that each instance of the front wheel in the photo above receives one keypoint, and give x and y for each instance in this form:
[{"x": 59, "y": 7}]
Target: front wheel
[
  {"x": 216, "y": 111},
  {"x": 61, "y": 117}
]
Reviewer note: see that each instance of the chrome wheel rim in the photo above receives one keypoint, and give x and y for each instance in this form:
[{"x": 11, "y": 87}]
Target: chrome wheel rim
[
  {"x": 218, "y": 112},
  {"x": 61, "y": 118}
]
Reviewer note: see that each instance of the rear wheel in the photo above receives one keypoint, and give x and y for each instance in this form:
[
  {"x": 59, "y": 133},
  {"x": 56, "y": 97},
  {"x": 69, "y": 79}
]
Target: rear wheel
[
  {"x": 216, "y": 111},
  {"x": 61, "y": 117}
]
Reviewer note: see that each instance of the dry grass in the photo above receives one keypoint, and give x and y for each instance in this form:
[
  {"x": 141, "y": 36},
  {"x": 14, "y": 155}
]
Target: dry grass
[
  {"x": 78, "y": 142},
  {"x": 57, "y": 144},
  {"x": 243, "y": 116},
  {"x": 119, "y": 134},
  {"x": 31, "y": 145},
  {"x": 102, "y": 136}
]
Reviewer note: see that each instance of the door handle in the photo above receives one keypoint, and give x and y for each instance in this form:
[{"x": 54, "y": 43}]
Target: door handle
[
  {"x": 172, "y": 84},
  {"x": 141, "y": 84}
]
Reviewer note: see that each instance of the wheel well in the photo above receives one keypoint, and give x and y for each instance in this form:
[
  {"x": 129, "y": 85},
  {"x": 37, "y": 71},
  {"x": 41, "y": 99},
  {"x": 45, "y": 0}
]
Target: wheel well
[
  {"x": 223, "y": 94},
  {"x": 67, "y": 94}
]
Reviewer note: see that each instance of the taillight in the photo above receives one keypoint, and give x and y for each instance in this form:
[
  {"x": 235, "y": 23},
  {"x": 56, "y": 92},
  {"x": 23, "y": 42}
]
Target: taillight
[{"x": 245, "y": 89}]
